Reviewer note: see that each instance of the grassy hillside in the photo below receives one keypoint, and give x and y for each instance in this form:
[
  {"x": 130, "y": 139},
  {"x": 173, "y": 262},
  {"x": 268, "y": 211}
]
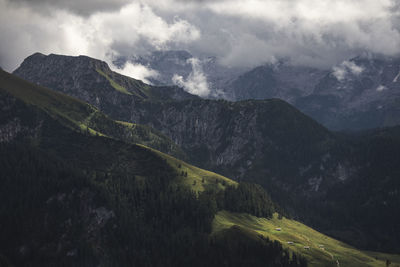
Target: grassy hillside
[
  {"x": 82, "y": 116},
  {"x": 195, "y": 178},
  {"x": 323, "y": 250},
  {"x": 71, "y": 198},
  {"x": 114, "y": 84}
]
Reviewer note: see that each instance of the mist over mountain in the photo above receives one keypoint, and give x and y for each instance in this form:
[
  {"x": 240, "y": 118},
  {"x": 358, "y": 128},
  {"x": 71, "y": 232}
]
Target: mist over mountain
[
  {"x": 203, "y": 76},
  {"x": 359, "y": 93}
]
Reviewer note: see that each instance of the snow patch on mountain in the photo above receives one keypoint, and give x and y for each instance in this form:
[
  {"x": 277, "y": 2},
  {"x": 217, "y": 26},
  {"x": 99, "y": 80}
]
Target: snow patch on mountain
[
  {"x": 345, "y": 68},
  {"x": 396, "y": 78},
  {"x": 380, "y": 88}
]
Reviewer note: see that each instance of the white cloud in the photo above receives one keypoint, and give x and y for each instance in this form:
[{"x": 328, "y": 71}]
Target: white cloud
[
  {"x": 319, "y": 33},
  {"x": 196, "y": 83},
  {"x": 136, "y": 71},
  {"x": 322, "y": 11},
  {"x": 345, "y": 68},
  {"x": 100, "y": 35},
  {"x": 240, "y": 32}
]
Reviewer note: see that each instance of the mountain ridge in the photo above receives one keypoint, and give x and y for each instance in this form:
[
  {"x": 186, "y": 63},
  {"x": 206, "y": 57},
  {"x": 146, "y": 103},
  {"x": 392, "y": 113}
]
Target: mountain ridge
[
  {"x": 299, "y": 162},
  {"x": 88, "y": 195}
]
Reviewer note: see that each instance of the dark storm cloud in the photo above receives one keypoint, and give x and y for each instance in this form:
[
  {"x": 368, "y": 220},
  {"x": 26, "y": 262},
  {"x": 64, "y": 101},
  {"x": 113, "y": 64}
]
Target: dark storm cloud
[
  {"x": 238, "y": 32},
  {"x": 319, "y": 33}
]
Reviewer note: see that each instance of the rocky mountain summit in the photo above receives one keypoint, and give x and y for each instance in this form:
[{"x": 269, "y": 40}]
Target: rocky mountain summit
[{"x": 92, "y": 81}]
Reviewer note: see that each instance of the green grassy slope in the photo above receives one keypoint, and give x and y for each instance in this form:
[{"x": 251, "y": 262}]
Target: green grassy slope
[
  {"x": 82, "y": 116},
  {"x": 323, "y": 250},
  {"x": 195, "y": 178},
  {"x": 114, "y": 84}
]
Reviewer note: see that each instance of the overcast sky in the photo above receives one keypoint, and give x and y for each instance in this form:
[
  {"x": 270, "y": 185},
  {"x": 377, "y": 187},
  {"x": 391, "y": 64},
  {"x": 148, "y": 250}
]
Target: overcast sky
[{"x": 239, "y": 33}]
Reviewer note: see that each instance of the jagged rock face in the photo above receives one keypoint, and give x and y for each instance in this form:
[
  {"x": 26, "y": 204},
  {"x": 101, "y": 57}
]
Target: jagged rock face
[
  {"x": 276, "y": 81},
  {"x": 66, "y": 73},
  {"x": 365, "y": 93},
  {"x": 265, "y": 141}
]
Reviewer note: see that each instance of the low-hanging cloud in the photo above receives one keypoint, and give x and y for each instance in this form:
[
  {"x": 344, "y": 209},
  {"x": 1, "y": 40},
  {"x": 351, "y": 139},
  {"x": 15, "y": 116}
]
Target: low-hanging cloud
[
  {"x": 346, "y": 68},
  {"x": 196, "y": 83},
  {"x": 320, "y": 33},
  {"x": 137, "y": 71}
]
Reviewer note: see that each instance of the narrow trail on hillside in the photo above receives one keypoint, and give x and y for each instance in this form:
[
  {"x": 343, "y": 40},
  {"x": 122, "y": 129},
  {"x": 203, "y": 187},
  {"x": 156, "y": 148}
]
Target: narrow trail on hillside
[
  {"x": 333, "y": 257},
  {"x": 89, "y": 118},
  {"x": 327, "y": 252}
]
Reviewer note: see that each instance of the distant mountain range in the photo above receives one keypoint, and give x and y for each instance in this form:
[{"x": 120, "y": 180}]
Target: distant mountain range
[
  {"x": 360, "y": 93},
  {"x": 178, "y": 62},
  {"x": 316, "y": 175}
]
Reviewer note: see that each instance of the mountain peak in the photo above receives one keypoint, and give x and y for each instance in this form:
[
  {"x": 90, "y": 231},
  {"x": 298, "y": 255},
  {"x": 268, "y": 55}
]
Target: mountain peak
[
  {"x": 43, "y": 63},
  {"x": 90, "y": 80}
]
